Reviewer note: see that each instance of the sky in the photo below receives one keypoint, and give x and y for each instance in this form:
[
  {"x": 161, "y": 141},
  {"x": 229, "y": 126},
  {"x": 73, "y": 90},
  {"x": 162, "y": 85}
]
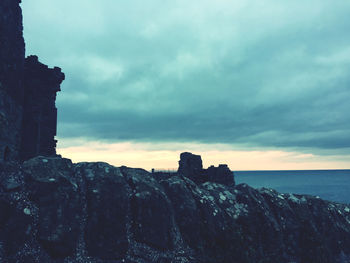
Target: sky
[{"x": 254, "y": 84}]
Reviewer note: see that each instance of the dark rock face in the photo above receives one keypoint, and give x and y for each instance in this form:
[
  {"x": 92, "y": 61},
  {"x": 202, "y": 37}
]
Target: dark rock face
[
  {"x": 53, "y": 190},
  {"x": 55, "y": 211},
  {"x": 190, "y": 166},
  {"x": 15, "y": 226},
  {"x": 107, "y": 207},
  {"x": 11, "y": 48},
  {"x": 11, "y": 71},
  {"x": 39, "y": 123},
  {"x": 220, "y": 175},
  {"x": 145, "y": 204},
  {"x": 28, "y": 115}
]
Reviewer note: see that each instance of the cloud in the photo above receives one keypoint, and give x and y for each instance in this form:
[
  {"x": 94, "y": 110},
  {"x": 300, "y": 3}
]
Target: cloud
[
  {"x": 166, "y": 156},
  {"x": 257, "y": 74}
]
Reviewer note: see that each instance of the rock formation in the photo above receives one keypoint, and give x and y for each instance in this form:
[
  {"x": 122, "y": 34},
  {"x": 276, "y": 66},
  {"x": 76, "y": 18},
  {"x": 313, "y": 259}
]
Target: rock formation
[
  {"x": 39, "y": 123},
  {"x": 11, "y": 71},
  {"x": 28, "y": 115},
  {"x": 190, "y": 165},
  {"x": 52, "y": 210}
]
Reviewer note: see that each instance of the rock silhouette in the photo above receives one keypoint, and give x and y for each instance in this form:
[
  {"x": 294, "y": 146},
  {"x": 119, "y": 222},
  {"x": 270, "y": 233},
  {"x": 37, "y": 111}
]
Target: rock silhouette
[
  {"x": 54, "y": 211},
  {"x": 190, "y": 165},
  {"x": 28, "y": 115}
]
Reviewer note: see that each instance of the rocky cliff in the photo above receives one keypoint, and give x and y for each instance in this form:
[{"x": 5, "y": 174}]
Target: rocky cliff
[
  {"x": 28, "y": 114},
  {"x": 11, "y": 71},
  {"x": 52, "y": 210}
]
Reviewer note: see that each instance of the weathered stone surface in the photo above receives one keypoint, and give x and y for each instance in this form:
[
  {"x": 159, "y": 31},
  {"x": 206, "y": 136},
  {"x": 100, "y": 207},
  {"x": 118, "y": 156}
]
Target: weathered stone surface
[
  {"x": 15, "y": 227},
  {"x": 53, "y": 189},
  {"x": 11, "y": 70},
  {"x": 186, "y": 212},
  {"x": 11, "y": 48},
  {"x": 107, "y": 197},
  {"x": 150, "y": 209},
  {"x": 94, "y": 212}
]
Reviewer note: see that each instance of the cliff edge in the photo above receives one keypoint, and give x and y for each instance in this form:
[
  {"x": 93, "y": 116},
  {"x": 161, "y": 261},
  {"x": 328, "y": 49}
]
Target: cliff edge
[{"x": 28, "y": 88}]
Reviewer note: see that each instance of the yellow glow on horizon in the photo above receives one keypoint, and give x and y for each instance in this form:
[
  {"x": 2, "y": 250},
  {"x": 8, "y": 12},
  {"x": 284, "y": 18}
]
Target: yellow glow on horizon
[{"x": 166, "y": 156}]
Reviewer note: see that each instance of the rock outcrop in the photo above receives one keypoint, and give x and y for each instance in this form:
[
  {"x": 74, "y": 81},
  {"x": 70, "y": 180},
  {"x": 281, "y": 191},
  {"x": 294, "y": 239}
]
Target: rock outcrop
[
  {"x": 39, "y": 123},
  {"x": 11, "y": 71},
  {"x": 28, "y": 115},
  {"x": 52, "y": 210},
  {"x": 190, "y": 165}
]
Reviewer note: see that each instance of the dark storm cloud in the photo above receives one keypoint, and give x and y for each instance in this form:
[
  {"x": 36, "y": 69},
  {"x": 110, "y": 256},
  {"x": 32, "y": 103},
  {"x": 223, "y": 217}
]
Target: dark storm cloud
[{"x": 270, "y": 74}]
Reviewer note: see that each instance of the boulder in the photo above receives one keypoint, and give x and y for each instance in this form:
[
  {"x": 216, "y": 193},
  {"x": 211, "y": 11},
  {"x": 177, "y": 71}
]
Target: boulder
[
  {"x": 107, "y": 208},
  {"x": 152, "y": 217},
  {"x": 52, "y": 187}
]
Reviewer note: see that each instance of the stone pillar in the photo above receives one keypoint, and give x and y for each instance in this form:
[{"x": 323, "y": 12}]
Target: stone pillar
[
  {"x": 39, "y": 124},
  {"x": 190, "y": 165}
]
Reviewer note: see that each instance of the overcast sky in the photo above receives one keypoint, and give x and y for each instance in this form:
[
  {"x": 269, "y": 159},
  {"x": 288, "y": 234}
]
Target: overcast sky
[{"x": 243, "y": 75}]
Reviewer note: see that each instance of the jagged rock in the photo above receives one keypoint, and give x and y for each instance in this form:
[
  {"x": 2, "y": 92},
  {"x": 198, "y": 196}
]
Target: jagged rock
[
  {"x": 39, "y": 123},
  {"x": 28, "y": 115},
  {"x": 94, "y": 212}
]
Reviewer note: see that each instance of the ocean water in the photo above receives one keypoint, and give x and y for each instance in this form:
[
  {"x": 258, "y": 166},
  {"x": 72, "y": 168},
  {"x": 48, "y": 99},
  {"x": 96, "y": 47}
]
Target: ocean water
[{"x": 333, "y": 185}]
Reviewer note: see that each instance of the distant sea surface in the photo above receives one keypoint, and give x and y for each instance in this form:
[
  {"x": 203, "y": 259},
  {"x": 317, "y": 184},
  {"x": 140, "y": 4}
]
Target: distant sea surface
[{"x": 333, "y": 185}]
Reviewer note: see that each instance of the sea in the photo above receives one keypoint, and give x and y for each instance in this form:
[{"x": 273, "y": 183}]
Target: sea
[{"x": 332, "y": 185}]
